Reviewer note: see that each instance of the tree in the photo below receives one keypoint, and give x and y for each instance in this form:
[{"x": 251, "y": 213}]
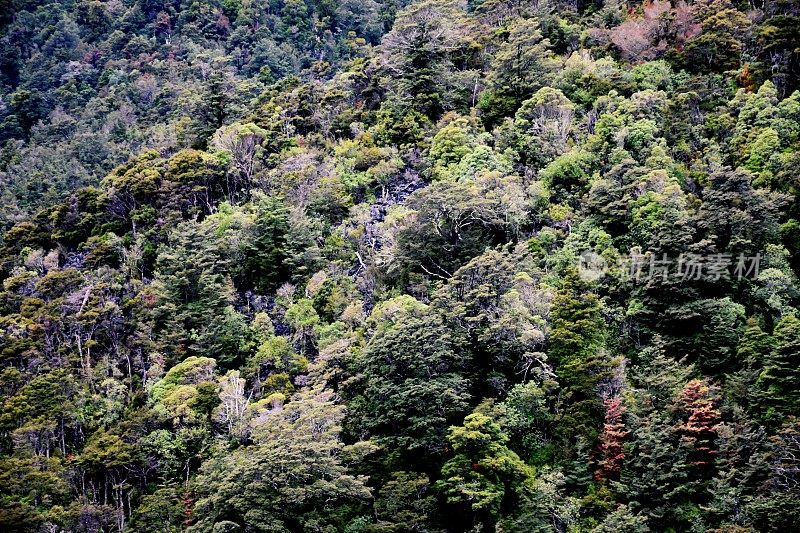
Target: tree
[
  {"x": 521, "y": 65},
  {"x": 750, "y": 217},
  {"x": 296, "y": 26},
  {"x": 406, "y": 502},
  {"x": 716, "y": 342},
  {"x": 105, "y": 465},
  {"x": 211, "y": 109},
  {"x": 783, "y": 457},
  {"x": 232, "y": 405},
  {"x": 160, "y": 511},
  {"x": 187, "y": 394},
  {"x": 544, "y": 505},
  {"x": 502, "y": 312},
  {"x": 529, "y": 418},
  {"x": 567, "y": 176},
  {"x": 132, "y": 188},
  {"x": 483, "y": 477},
  {"x": 756, "y": 113},
  {"x": 41, "y": 414},
  {"x": 542, "y": 126},
  {"x": 780, "y": 379},
  {"x": 622, "y": 519},
  {"x": 420, "y": 51},
  {"x": 266, "y": 250},
  {"x": 31, "y": 487},
  {"x": 450, "y": 223},
  {"x": 654, "y": 476},
  {"x": 611, "y": 440},
  {"x": 577, "y": 349},
  {"x": 253, "y": 251},
  {"x": 243, "y": 143},
  {"x": 718, "y": 46},
  {"x": 194, "y": 314},
  {"x": 28, "y": 109},
  {"x": 754, "y": 347},
  {"x": 700, "y": 424},
  {"x": 659, "y": 26},
  {"x": 775, "y": 36},
  {"x": 415, "y": 387},
  {"x": 451, "y": 144},
  {"x": 292, "y": 474}
]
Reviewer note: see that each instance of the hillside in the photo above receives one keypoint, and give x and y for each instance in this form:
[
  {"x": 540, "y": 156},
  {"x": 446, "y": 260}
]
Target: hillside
[{"x": 378, "y": 266}]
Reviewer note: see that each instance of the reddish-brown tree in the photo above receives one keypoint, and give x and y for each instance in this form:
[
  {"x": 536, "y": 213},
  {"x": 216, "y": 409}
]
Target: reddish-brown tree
[
  {"x": 610, "y": 450},
  {"x": 700, "y": 422}
]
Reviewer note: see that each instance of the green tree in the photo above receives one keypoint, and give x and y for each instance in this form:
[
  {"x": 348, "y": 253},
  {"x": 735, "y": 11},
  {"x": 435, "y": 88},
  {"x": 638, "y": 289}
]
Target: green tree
[
  {"x": 194, "y": 313},
  {"x": 420, "y": 50},
  {"x": 264, "y": 265},
  {"x": 211, "y": 110},
  {"x": 293, "y": 474},
  {"x": 718, "y": 46},
  {"x": 577, "y": 347},
  {"x": 450, "y": 223},
  {"x": 780, "y": 379},
  {"x": 542, "y": 126},
  {"x": 484, "y": 477},
  {"x": 735, "y": 216},
  {"x": 521, "y": 65},
  {"x": 405, "y": 503},
  {"x": 415, "y": 387}
]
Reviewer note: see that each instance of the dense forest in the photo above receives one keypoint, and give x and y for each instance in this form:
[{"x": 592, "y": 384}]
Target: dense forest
[{"x": 399, "y": 266}]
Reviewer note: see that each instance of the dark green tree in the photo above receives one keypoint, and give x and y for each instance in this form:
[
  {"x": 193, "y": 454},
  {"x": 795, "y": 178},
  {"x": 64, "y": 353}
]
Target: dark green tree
[
  {"x": 211, "y": 110},
  {"x": 415, "y": 387},
  {"x": 291, "y": 478},
  {"x": 265, "y": 252},
  {"x": 577, "y": 348},
  {"x": 779, "y": 382}
]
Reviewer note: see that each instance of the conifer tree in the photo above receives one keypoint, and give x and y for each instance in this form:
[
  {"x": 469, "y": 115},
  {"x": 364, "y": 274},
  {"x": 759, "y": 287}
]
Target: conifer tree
[
  {"x": 700, "y": 423},
  {"x": 779, "y": 382},
  {"x": 577, "y": 348},
  {"x": 611, "y": 441},
  {"x": 264, "y": 265}
]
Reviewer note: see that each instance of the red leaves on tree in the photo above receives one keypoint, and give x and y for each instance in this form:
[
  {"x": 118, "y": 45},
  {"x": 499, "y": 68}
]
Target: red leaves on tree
[
  {"x": 610, "y": 447},
  {"x": 187, "y": 501},
  {"x": 746, "y": 79},
  {"x": 662, "y": 24},
  {"x": 702, "y": 418}
]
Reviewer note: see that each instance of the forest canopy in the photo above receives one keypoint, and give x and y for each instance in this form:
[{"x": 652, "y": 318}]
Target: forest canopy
[{"x": 386, "y": 266}]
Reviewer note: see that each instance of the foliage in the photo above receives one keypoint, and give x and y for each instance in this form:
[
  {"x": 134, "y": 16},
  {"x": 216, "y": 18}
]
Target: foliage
[{"x": 388, "y": 266}]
